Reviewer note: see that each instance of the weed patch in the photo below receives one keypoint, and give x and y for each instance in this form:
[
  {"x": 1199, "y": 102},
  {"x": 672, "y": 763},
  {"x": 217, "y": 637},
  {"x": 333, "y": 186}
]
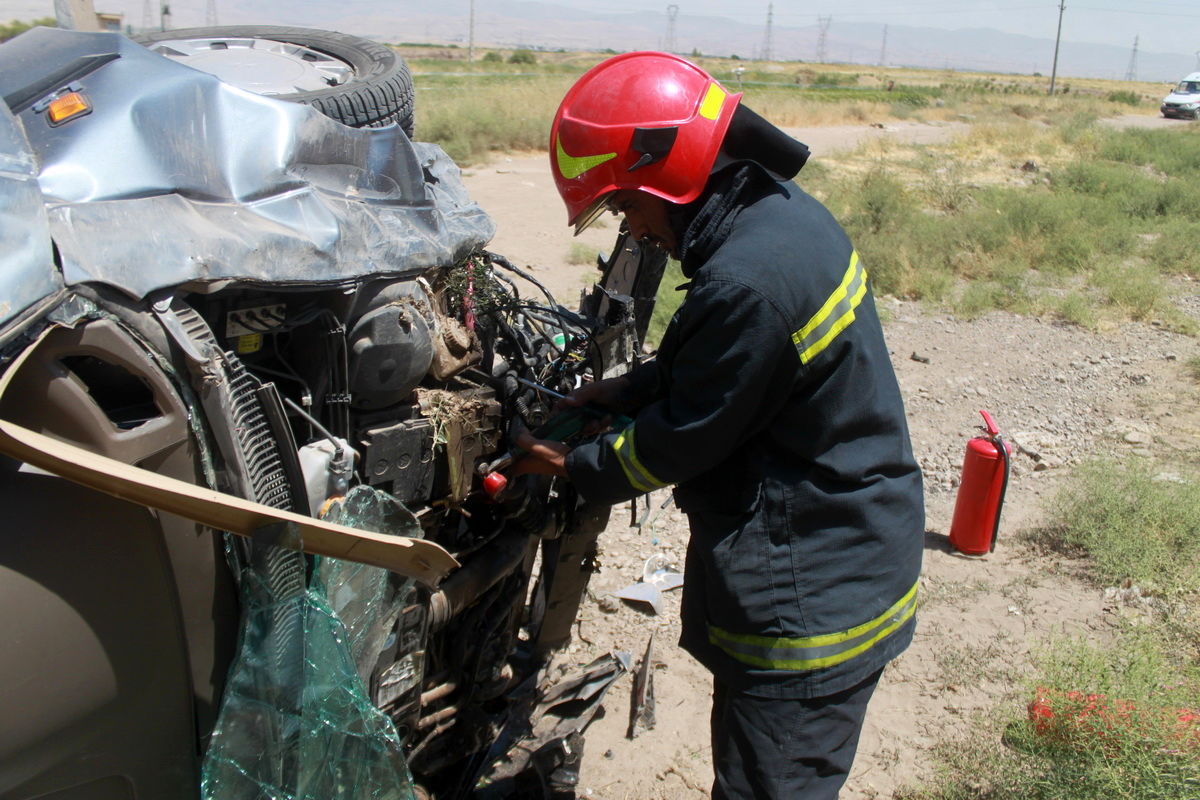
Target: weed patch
[
  {"x": 1113, "y": 729},
  {"x": 1133, "y": 524}
]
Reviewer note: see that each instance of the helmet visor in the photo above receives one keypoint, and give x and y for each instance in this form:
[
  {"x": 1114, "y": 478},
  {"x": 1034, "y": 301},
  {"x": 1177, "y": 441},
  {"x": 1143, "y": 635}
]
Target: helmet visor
[{"x": 592, "y": 213}]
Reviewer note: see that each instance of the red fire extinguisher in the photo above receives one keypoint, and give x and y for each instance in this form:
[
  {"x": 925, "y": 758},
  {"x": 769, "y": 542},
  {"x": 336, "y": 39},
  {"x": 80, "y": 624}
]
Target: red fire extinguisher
[{"x": 976, "y": 521}]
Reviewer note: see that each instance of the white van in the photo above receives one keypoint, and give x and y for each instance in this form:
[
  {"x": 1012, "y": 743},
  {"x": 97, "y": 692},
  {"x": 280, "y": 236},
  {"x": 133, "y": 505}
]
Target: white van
[{"x": 1184, "y": 100}]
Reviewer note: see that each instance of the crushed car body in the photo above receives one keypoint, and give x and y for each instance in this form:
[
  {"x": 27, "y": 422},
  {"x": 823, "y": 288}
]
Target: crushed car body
[{"x": 270, "y": 354}]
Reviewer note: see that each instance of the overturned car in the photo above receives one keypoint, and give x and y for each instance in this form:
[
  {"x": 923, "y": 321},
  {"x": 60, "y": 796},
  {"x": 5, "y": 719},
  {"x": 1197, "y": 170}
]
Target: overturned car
[{"x": 255, "y": 365}]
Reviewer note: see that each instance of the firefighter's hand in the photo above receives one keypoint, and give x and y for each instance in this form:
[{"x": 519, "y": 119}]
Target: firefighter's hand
[
  {"x": 542, "y": 457},
  {"x": 606, "y": 394}
]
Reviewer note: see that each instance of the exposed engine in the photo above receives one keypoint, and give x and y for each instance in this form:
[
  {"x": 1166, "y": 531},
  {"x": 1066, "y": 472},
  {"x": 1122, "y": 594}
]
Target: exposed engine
[{"x": 409, "y": 386}]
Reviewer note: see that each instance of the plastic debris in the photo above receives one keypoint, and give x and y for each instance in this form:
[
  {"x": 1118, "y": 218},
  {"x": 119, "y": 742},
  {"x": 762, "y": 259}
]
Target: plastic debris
[
  {"x": 659, "y": 575},
  {"x": 642, "y": 593},
  {"x": 659, "y": 571}
]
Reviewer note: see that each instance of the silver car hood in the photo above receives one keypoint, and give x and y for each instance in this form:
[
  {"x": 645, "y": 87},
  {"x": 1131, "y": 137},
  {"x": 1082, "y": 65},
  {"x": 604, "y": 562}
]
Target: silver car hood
[
  {"x": 176, "y": 178},
  {"x": 27, "y": 271}
]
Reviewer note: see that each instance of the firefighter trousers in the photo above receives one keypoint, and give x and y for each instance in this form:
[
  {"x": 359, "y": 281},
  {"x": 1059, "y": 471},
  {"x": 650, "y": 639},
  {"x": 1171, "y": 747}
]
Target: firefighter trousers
[{"x": 772, "y": 749}]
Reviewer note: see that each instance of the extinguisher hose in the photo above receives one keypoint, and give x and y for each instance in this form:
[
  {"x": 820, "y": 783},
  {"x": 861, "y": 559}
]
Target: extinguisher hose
[{"x": 1003, "y": 448}]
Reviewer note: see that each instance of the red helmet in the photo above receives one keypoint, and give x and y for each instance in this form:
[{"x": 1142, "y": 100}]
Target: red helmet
[{"x": 648, "y": 121}]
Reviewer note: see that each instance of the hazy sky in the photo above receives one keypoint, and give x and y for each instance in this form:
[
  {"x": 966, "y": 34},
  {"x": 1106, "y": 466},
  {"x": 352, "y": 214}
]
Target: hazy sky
[
  {"x": 1161, "y": 25},
  {"x": 1168, "y": 26}
]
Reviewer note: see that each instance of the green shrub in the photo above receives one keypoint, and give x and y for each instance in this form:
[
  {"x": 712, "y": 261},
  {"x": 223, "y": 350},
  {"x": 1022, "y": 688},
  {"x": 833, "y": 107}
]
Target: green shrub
[
  {"x": 1175, "y": 249},
  {"x": 882, "y": 202},
  {"x": 580, "y": 254},
  {"x": 667, "y": 301},
  {"x": 1123, "y": 96},
  {"x": 522, "y": 56},
  {"x": 1173, "y": 153},
  {"x": 1132, "y": 525},
  {"x": 1193, "y": 368},
  {"x": 1076, "y": 309},
  {"x": 1136, "y": 289},
  {"x": 492, "y": 57},
  {"x": 17, "y": 27}
]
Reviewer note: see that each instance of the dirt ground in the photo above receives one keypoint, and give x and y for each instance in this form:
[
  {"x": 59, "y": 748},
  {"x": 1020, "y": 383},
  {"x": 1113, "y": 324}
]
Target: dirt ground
[{"x": 1059, "y": 392}]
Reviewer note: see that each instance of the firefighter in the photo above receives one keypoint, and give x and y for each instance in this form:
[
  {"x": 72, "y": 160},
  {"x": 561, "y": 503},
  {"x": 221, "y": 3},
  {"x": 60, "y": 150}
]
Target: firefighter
[{"x": 772, "y": 408}]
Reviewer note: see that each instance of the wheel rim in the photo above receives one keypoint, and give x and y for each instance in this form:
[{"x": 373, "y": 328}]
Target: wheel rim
[{"x": 263, "y": 66}]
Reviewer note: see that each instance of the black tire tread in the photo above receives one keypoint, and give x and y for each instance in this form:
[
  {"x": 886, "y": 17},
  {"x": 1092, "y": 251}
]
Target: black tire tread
[{"x": 381, "y": 92}]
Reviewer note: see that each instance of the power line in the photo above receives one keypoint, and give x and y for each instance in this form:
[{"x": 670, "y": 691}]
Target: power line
[
  {"x": 823, "y": 23},
  {"x": 768, "y": 53},
  {"x": 1131, "y": 73},
  {"x": 672, "y": 13}
]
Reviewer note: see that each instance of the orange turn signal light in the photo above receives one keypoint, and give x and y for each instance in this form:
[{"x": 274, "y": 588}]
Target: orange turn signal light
[{"x": 66, "y": 107}]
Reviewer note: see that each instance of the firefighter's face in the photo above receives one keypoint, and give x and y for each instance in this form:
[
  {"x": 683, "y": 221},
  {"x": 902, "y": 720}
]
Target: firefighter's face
[{"x": 646, "y": 216}]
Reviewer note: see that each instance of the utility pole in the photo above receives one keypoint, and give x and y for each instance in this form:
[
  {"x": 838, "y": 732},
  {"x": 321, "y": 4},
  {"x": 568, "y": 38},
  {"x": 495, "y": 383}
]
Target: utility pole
[
  {"x": 210, "y": 14},
  {"x": 823, "y": 23},
  {"x": 768, "y": 53},
  {"x": 164, "y": 16},
  {"x": 672, "y": 12},
  {"x": 78, "y": 15},
  {"x": 883, "y": 48},
  {"x": 471, "y": 35},
  {"x": 147, "y": 14},
  {"x": 1062, "y": 5},
  {"x": 1131, "y": 73}
]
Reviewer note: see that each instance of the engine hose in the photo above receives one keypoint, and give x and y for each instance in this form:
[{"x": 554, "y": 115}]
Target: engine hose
[
  {"x": 482, "y": 572},
  {"x": 1003, "y": 447}
]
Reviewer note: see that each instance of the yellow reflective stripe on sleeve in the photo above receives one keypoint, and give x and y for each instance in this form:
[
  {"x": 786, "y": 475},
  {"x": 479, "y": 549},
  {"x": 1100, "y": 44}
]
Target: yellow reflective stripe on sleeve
[
  {"x": 714, "y": 98},
  {"x": 574, "y": 166},
  {"x": 835, "y": 315},
  {"x": 638, "y": 476},
  {"x": 814, "y": 652}
]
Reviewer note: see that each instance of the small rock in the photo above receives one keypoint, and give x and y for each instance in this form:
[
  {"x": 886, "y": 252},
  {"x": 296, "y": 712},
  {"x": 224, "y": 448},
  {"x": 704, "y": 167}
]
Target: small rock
[
  {"x": 1137, "y": 437},
  {"x": 609, "y": 754},
  {"x": 1171, "y": 356},
  {"x": 1142, "y": 452},
  {"x": 608, "y": 604},
  {"x": 919, "y": 358},
  {"x": 1029, "y": 166}
]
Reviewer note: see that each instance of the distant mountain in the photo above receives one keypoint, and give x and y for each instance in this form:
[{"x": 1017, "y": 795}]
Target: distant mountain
[{"x": 513, "y": 23}]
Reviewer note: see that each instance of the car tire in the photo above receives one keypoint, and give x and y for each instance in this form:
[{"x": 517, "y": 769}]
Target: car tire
[{"x": 378, "y": 90}]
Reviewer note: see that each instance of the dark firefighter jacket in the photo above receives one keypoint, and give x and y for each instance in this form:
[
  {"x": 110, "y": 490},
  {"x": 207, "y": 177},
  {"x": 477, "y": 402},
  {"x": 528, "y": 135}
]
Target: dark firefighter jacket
[{"x": 773, "y": 407}]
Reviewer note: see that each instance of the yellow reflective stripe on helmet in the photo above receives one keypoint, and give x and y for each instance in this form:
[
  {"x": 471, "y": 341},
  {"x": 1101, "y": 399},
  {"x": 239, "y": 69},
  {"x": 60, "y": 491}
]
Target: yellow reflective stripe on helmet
[
  {"x": 814, "y": 652},
  {"x": 835, "y": 315},
  {"x": 574, "y": 166},
  {"x": 638, "y": 476},
  {"x": 714, "y": 98}
]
